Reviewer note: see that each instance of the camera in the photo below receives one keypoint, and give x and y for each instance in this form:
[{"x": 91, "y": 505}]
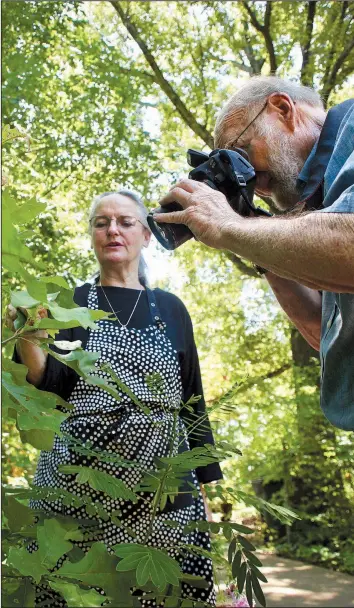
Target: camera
[{"x": 227, "y": 171}]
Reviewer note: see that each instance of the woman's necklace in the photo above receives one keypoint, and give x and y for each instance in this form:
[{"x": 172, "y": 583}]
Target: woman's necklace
[{"x": 115, "y": 314}]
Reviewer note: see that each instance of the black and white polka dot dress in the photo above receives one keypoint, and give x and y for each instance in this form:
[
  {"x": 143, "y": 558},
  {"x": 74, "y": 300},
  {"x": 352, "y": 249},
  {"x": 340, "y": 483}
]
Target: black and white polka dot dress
[{"x": 136, "y": 355}]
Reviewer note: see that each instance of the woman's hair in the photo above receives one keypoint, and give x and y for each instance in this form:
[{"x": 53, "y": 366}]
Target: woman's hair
[{"x": 142, "y": 270}]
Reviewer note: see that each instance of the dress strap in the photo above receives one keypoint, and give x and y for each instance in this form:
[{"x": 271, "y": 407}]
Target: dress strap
[{"x": 154, "y": 310}]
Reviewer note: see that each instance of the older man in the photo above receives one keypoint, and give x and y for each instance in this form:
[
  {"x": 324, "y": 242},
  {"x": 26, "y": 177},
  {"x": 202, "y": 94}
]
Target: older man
[{"x": 304, "y": 160}]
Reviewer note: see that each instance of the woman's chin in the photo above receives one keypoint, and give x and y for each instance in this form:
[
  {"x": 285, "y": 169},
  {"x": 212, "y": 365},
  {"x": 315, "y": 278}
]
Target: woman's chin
[{"x": 114, "y": 257}]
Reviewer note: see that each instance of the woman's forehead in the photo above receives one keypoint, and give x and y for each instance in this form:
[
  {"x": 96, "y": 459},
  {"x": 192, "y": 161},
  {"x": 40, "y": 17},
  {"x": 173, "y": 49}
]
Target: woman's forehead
[{"x": 115, "y": 203}]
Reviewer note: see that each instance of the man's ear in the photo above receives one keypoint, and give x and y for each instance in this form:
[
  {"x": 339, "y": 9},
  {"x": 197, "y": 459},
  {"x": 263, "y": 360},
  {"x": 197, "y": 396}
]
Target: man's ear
[{"x": 283, "y": 109}]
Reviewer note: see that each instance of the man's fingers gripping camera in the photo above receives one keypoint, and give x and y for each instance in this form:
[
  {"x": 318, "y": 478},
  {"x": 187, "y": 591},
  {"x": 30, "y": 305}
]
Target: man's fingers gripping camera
[{"x": 227, "y": 171}]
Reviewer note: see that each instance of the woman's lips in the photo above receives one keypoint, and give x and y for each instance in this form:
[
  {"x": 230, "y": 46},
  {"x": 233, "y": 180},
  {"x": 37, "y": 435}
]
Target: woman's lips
[{"x": 112, "y": 245}]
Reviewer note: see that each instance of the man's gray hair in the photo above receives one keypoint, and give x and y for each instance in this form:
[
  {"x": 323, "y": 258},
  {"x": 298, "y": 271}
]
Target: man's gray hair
[{"x": 256, "y": 91}]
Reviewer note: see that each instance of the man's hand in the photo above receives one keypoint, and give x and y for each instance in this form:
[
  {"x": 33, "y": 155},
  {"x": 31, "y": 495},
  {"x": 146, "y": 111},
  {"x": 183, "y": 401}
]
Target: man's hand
[{"x": 206, "y": 212}]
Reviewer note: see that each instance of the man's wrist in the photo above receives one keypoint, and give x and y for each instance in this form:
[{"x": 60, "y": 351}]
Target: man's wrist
[{"x": 231, "y": 232}]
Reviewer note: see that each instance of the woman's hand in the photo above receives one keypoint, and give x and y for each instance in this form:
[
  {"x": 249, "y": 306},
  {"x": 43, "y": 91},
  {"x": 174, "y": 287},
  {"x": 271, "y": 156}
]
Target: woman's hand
[
  {"x": 12, "y": 314},
  {"x": 27, "y": 342}
]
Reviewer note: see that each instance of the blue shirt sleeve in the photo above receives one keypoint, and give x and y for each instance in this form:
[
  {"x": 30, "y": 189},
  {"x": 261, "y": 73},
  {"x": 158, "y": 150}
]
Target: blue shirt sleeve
[{"x": 339, "y": 176}]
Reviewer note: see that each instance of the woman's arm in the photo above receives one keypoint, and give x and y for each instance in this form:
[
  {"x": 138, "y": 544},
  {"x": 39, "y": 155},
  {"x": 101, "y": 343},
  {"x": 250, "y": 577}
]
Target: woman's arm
[
  {"x": 44, "y": 371},
  {"x": 27, "y": 347},
  {"x": 32, "y": 356}
]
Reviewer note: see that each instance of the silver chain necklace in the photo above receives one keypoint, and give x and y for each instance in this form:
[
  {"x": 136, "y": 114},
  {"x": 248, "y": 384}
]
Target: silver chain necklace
[{"x": 115, "y": 314}]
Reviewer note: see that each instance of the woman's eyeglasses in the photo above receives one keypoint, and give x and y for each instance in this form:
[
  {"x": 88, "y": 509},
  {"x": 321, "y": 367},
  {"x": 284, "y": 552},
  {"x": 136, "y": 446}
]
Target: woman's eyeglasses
[{"x": 102, "y": 222}]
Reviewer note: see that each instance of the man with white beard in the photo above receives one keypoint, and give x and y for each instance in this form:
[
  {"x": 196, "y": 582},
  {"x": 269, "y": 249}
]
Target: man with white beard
[{"x": 304, "y": 162}]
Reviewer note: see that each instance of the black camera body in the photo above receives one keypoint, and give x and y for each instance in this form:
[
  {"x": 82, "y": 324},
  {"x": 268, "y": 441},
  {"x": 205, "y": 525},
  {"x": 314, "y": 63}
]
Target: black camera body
[{"x": 227, "y": 171}]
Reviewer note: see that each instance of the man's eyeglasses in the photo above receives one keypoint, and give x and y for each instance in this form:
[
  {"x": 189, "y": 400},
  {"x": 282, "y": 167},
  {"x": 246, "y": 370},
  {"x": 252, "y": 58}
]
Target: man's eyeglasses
[
  {"x": 233, "y": 145},
  {"x": 102, "y": 222}
]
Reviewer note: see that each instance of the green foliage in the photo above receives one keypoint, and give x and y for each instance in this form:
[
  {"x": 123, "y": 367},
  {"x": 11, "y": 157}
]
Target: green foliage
[
  {"x": 100, "y": 481},
  {"x": 81, "y": 99},
  {"x": 34, "y": 411},
  {"x": 150, "y": 565},
  {"x": 76, "y": 596}
]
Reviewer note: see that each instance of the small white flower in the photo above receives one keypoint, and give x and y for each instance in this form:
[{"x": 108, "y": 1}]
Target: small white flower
[{"x": 66, "y": 345}]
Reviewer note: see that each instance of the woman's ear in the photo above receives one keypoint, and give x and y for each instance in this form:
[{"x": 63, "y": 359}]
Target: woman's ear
[{"x": 147, "y": 237}]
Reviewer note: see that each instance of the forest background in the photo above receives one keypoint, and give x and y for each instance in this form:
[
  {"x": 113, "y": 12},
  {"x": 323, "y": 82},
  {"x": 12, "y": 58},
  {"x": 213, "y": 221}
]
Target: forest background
[{"x": 112, "y": 94}]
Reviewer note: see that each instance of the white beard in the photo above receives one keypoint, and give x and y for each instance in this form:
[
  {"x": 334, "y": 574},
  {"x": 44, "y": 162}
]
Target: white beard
[{"x": 285, "y": 165}]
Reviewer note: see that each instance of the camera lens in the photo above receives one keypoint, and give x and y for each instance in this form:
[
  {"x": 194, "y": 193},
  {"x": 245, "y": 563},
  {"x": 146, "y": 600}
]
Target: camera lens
[{"x": 170, "y": 236}]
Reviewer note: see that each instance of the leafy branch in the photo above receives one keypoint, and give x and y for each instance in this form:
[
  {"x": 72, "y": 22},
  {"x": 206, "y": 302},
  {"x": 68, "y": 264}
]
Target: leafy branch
[
  {"x": 161, "y": 80},
  {"x": 264, "y": 29}
]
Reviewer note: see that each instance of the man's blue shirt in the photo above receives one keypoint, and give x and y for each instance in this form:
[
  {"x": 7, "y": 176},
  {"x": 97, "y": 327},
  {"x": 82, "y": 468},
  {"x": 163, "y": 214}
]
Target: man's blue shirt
[{"x": 337, "y": 331}]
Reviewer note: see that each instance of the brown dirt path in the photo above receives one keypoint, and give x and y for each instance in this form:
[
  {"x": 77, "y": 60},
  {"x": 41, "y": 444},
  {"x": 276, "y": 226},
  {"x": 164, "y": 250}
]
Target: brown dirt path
[{"x": 292, "y": 583}]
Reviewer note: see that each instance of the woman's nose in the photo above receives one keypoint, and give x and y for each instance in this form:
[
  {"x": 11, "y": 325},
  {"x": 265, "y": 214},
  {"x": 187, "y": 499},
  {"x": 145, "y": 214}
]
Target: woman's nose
[{"x": 113, "y": 227}]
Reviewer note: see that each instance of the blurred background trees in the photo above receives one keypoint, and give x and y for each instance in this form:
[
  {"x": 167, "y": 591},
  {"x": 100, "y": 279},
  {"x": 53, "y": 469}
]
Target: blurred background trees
[{"x": 112, "y": 94}]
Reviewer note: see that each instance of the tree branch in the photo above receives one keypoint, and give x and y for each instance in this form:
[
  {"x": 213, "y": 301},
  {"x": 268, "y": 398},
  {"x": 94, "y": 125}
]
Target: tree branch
[
  {"x": 264, "y": 29},
  {"x": 237, "y": 389},
  {"x": 138, "y": 73},
  {"x": 238, "y": 64},
  {"x": 256, "y": 64},
  {"x": 166, "y": 87},
  {"x": 331, "y": 78},
  {"x": 306, "y": 48}
]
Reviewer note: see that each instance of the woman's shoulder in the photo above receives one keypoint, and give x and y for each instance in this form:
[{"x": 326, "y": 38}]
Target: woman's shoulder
[
  {"x": 166, "y": 299},
  {"x": 81, "y": 294}
]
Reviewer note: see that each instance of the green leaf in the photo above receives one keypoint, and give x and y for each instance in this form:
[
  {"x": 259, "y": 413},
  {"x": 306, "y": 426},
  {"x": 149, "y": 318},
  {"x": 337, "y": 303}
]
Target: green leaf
[
  {"x": 258, "y": 573},
  {"x": 20, "y": 320},
  {"x": 52, "y": 543},
  {"x": 28, "y": 564},
  {"x": 23, "y": 595},
  {"x": 124, "y": 388},
  {"x": 143, "y": 573},
  {"x": 97, "y": 569},
  {"x": 76, "y": 597},
  {"x": 249, "y": 593},
  {"x": 241, "y": 577},
  {"x": 252, "y": 558},
  {"x": 18, "y": 515},
  {"x": 232, "y": 547},
  {"x": 283, "y": 514},
  {"x": 23, "y": 299},
  {"x": 245, "y": 543},
  {"x": 257, "y": 589},
  {"x": 240, "y": 528},
  {"x": 100, "y": 481},
  {"x": 36, "y": 410},
  {"x": 227, "y": 530},
  {"x": 41, "y": 440},
  {"x": 13, "y": 249},
  {"x": 56, "y": 280},
  {"x": 150, "y": 564},
  {"x": 236, "y": 564},
  {"x": 82, "y": 316}
]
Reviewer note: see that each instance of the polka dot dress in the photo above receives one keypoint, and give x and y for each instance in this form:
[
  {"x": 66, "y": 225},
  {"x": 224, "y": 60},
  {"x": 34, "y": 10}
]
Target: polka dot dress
[{"x": 121, "y": 428}]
